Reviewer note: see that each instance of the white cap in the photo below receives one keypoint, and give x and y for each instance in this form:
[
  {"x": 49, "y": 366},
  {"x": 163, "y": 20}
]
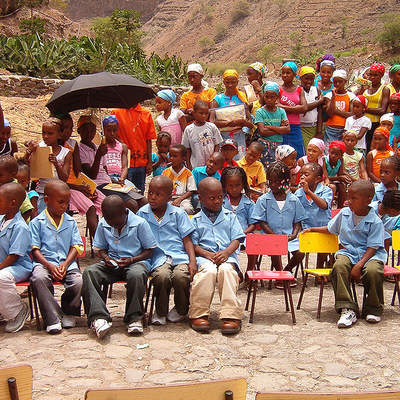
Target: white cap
[
  {"x": 340, "y": 73},
  {"x": 387, "y": 117}
]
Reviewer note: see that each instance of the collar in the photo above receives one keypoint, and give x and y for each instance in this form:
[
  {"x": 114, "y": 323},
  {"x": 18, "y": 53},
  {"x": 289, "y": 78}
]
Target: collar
[
  {"x": 370, "y": 217},
  {"x": 17, "y": 217},
  {"x": 212, "y": 216},
  {"x": 222, "y": 216},
  {"x": 132, "y": 221},
  {"x": 50, "y": 218},
  {"x": 146, "y": 209}
]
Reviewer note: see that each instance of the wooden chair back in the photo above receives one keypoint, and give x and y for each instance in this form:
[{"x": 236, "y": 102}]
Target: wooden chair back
[
  {"x": 267, "y": 245},
  {"x": 21, "y": 388},
  {"x": 214, "y": 390}
]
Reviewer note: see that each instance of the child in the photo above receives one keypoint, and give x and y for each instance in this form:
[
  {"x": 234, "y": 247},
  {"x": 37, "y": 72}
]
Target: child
[
  {"x": 253, "y": 168},
  {"x": 361, "y": 256},
  {"x": 24, "y": 179},
  {"x": 184, "y": 185},
  {"x": 280, "y": 212},
  {"x": 311, "y": 120},
  {"x": 214, "y": 163},
  {"x": 353, "y": 161},
  {"x": 334, "y": 174},
  {"x": 389, "y": 173},
  {"x": 174, "y": 260},
  {"x": 359, "y": 122},
  {"x": 56, "y": 242},
  {"x": 125, "y": 245},
  {"x": 394, "y": 75},
  {"x": 229, "y": 149},
  {"x": 338, "y": 107},
  {"x": 160, "y": 159},
  {"x": 172, "y": 120},
  {"x": 381, "y": 150},
  {"x": 288, "y": 155},
  {"x": 216, "y": 238},
  {"x": 60, "y": 156},
  {"x": 271, "y": 122},
  {"x": 7, "y": 145},
  {"x": 15, "y": 263},
  {"x": 387, "y": 121},
  {"x": 8, "y": 174},
  {"x": 314, "y": 153},
  {"x": 395, "y": 108},
  {"x": 202, "y": 138}
]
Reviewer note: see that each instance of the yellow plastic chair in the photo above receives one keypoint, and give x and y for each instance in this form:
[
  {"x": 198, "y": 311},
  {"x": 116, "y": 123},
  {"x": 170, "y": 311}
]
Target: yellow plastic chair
[
  {"x": 16, "y": 383},
  {"x": 395, "y": 247},
  {"x": 234, "y": 389},
  {"x": 313, "y": 242}
]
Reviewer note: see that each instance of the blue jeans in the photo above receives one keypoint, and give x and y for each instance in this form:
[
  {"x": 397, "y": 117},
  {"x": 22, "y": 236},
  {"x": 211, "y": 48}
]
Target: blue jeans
[{"x": 137, "y": 175}]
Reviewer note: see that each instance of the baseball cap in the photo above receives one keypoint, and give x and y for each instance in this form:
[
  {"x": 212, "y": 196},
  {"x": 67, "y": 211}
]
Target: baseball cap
[{"x": 229, "y": 142}]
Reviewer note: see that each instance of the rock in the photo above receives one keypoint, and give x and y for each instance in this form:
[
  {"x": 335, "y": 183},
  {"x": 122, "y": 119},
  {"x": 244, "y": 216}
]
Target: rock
[
  {"x": 117, "y": 351},
  {"x": 333, "y": 369},
  {"x": 134, "y": 375},
  {"x": 156, "y": 365},
  {"x": 270, "y": 382},
  {"x": 266, "y": 339}
]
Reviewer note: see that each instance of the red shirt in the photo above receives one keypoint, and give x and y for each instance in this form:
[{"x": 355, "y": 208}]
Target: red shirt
[{"x": 234, "y": 164}]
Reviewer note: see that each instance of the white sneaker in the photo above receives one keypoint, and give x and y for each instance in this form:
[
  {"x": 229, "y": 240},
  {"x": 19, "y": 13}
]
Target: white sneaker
[
  {"x": 54, "y": 329},
  {"x": 157, "y": 320},
  {"x": 373, "y": 319},
  {"x": 174, "y": 316},
  {"x": 347, "y": 318},
  {"x": 16, "y": 324},
  {"x": 68, "y": 321},
  {"x": 135, "y": 327},
  {"x": 101, "y": 327}
]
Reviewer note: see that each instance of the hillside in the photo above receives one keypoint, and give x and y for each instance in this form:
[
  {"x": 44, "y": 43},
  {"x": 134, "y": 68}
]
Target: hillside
[{"x": 203, "y": 30}]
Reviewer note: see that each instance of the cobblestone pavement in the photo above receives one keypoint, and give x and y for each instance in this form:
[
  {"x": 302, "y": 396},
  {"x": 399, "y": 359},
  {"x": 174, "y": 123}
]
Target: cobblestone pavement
[{"x": 271, "y": 353}]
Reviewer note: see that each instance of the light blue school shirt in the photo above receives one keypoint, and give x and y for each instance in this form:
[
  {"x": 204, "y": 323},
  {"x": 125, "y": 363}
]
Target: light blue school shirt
[
  {"x": 380, "y": 191},
  {"x": 315, "y": 216},
  {"x": 16, "y": 239},
  {"x": 199, "y": 173},
  {"x": 55, "y": 243},
  {"x": 356, "y": 239},
  {"x": 389, "y": 223},
  {"x": 217, "y": 236},
  {"x": 280, "y": 221},
  {"x": 271, "y": 119},
  {"x": 169, "y": 233},
  {"x": 243, "y": 211},
  {"x": 136, "y": 236}
]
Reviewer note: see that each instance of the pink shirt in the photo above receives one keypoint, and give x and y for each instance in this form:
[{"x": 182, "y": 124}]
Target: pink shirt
[
  {"x": 113, "y": 158},
  {"x": 87, "y": 155},
  {"x": 291, "y": 99}
]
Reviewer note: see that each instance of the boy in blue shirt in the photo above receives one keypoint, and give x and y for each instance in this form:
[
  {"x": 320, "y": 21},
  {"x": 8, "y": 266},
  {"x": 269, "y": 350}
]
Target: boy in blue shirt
[
  {"x": 174, "y": 261},
  {"x": 216, "y": 238},
  {"x": 15, "y": 264},
  {"x": 56, "y": 242},
  {"x": 362, "y": 255},
  {"x": 125, "y": 244}
]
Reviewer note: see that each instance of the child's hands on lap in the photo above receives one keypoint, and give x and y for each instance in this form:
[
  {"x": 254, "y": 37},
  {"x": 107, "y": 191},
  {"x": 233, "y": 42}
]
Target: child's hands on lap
[
  {"x": 62, "y": 269},
  {"x": 55, "y": 273},
  {"x": 220, "y": 257},
  {"x": 124, "y": 262},
  {"x": 355, "y": 272},
  {"x": 176, "y": 202},
  {"x": 192, "y": 270}
]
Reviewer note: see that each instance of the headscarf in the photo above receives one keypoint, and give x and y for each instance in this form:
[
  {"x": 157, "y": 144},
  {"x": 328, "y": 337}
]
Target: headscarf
[
  {"x": 384, "y": 131},
  {"x": 327, "y": 62},
  {"x": 6, "y": 123},
  {"x": 387, "y": 117},
  {"x": 327, "y": 57},
  {"x": 350, "y": 132},
  {"x": 394, "y": 68},
  {"x": 196, "y": 67},
  {"x": 395, "y": 96},
  {"x": 259, "y": 67},
  {"x": 271, "y": 86},
  {"x": 378, "y": 67},
  {"x": 306, "y": 70},
  {"x": 292, "y": 65},
  {"x": 168, "y": 95},
  {"x": 235, "y": 74},
  {"x": 362, "y": 99},
  {"x": 340, "y": 73},
  {"x": 86, "y": 119},
  {"x": 318, "y": 143},
  {"x": 283, "y": 151},
  {"x": 111, "y": 119},
  {"x": 339, "y": 144}
]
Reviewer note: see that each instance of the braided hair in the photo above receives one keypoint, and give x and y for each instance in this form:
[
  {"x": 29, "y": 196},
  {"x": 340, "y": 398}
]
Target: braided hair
[
  {"x": 235, "y": 171},
  {"x": 391, "y": 199},
  {"x": 393, "y": 161},
  {"x": 281, "y": 171}
]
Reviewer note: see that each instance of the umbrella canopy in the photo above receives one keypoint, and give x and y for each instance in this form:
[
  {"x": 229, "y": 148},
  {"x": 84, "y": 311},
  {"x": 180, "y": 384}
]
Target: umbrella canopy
[{"x": 101, "y": 90}]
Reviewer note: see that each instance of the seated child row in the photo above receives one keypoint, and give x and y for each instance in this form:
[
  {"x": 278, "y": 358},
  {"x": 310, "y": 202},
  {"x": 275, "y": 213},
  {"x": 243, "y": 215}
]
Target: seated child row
[{"x": 162, "y": 241}]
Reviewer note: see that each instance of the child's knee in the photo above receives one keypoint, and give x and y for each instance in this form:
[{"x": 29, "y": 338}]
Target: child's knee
[
  {"x": 226, "y": 269},
  {"x": 6, "y": 279},
  {"x": 161, "y": 275},
  {"x": 373, "y": 271},
  {"x": 209, "y": 269}
]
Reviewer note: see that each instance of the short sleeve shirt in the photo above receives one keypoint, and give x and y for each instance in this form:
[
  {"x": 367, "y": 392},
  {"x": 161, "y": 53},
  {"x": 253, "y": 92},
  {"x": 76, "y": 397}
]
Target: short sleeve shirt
[
  {"x": 87, "y": 155},
  {"x": 357, "y": 124},
  {"x": 272, "y": 119},
  {"x": 189, "y": 98}
]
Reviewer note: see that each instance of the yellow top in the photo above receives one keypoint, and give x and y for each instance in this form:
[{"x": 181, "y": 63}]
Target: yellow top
[
  {"x": 374, "y": 101},
  {"x": 255, "y": 172}
]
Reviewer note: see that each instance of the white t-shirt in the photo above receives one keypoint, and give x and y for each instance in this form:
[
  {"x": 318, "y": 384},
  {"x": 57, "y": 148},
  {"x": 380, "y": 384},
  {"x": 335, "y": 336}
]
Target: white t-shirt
[
  {"x": 357, "y": 124},
  {"x": 201, "y": 141}
]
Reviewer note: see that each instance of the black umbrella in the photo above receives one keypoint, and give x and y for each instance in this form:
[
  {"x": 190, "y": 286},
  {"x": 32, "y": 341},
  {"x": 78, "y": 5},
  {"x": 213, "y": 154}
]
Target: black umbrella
[{"x": 101, "y": 90}]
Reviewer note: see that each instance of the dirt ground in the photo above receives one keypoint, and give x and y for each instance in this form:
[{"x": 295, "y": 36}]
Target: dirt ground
[{"x": 271, "y": 353}]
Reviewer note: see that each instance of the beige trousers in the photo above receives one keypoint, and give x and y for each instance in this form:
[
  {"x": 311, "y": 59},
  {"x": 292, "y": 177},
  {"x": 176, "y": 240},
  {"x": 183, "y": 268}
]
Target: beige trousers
[
  {"x": 10, "y": 300},
  {"x": 203, "y": 288}
]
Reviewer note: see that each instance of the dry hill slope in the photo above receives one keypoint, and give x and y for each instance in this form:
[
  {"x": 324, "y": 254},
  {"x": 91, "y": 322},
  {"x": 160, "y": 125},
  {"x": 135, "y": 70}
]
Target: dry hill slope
[{"x": 180, "y": 26}]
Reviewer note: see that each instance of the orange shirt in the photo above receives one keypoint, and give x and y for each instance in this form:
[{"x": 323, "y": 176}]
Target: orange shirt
[
  {"x": 377, "y": 157},
  {"x": 189, "y": 98},
  {"x": 342, "y": 103},
  {"x": 136, "y": 127}
]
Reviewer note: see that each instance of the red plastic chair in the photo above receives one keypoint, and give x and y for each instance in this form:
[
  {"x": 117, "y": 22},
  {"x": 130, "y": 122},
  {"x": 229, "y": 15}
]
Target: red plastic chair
[
  {"x": 270, "y": 245},
  {"x": 335, "y": 212}
]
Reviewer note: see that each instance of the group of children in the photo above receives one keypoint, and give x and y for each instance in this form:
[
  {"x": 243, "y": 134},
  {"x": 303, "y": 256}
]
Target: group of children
[{"x": 201, "y": 203}]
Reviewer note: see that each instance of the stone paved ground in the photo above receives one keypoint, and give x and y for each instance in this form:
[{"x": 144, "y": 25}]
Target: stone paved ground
[{"x": 271, "y": 353}]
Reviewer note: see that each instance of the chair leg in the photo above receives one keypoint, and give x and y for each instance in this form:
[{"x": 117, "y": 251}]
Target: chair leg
[
  {"x": 248, "y": 296},
  {"x": 153, "y": 297},
  {"x": 394, "y": 294},
  {"x": 253, "y": 303},
  {"x": 321, "y": 293},
  {"x": 303, "y": 288},
  {"x": 258, "y": 267},
  {"x": 148, "y": 290},
  {"x": 35, "y": 306},
  {"x": 285, "y": 295},
  {"x": 353, "y": 287},
  {"x": 105, "y": 291},
  {"x": 396, "y": 283},
  {"x": 289, "y": 290},
  {"x": 30, "y": 301},
  {"x": 110, "y": 290}
]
